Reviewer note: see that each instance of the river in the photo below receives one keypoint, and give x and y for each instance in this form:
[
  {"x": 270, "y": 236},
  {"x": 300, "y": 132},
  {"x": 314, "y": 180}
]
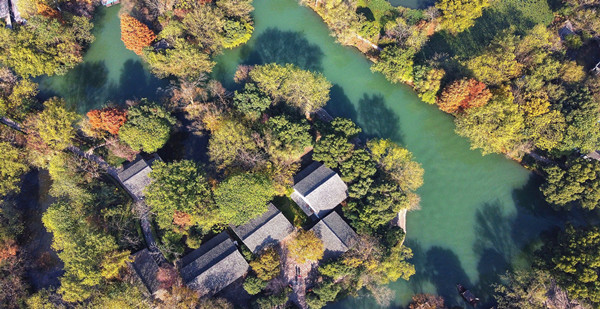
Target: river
[{"x": 479, "y": 214}]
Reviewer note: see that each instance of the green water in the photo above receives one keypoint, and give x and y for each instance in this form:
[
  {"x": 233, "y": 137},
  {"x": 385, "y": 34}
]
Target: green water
[
  {"x": 478, "y": 216},
  {"x": 109, "y": 73},
  {"x": 477, "y": 213}
]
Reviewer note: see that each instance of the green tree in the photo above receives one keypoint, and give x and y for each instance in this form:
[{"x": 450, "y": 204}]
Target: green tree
[
  {"x": 205, "y": 23},
  {"x": 396, "y": 64},
  {"x": 236, "y": 8},
  {"x": 302, "y": 89},
  {"x": 12, "y": 167},
  {"x": 359, "y": 165},
  {"x": 332, "y": 150},
  {"x": 381, "y": 204},
  {"x": 184, "y": 60},
  {"x": 16, "y": 95},
  {"x": 236, "y": 33},
  {"x": 243, "y": 197},
  {"x": 230, "y": 144},
  {"x": 305, "y": 247},
  {"x": 460, "y": 15},
  {"x": 266, "y": 266},
  {"x": 344, "y": 127},
  {"x": 523, "y": 289},
  {"x": 398, "y": 163},
  {"x": 576, "y": 184},
  {"x": 428, "y": 82},
  {"x": 287, "y": 138},
  {"x": 55, "y": 124},
  {"x": 498, "y": 64},
  {"x": 581, "y": 114},
  {"x": 148, "y": 127},
  {"x": 251, "y": 101},
  {"x": 180, "y": 187},
  {"x": 574, "y": 261},
  {"x": 254, "y": 285}
]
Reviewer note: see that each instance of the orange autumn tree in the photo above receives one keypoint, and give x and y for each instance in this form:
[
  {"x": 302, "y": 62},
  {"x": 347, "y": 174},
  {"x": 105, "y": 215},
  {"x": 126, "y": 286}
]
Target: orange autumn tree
[
  {"x": 46, "y": 11},
  {"x": 462, "y": 95},
  {"x": 108, "y": 119},
  {"x": 135, "y": 34}
]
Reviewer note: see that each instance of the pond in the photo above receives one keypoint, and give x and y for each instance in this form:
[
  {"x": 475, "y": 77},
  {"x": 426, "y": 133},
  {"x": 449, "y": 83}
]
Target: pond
[
  {"x": 479, "y": 214},
  {"x": 109, "y": 72}
]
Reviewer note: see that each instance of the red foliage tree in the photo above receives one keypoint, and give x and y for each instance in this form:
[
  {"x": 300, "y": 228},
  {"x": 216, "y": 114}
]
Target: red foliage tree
[
  {"x": 462, "y": 95},
  {"x": 108, "y": 119},
  {"x": 135, "y": 34}
]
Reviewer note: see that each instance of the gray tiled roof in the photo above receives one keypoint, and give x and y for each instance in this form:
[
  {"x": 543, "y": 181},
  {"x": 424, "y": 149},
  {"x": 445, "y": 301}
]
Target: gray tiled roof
[
  {"x": 271, "y": 227},
  {"x": 135, "y": 177},
  {"x": 146, "y": 269},
  {"x": 4, "y": 9},
  {"x": 213, "y": 266},
  {"x": 319, "y": 187},
  {"x": 336, "y": 234}
]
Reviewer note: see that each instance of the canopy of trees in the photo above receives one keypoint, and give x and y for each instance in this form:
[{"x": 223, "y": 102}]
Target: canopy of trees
[
  {"x": 578, "y": 183},
  {"x": 148, "y": 127},
  {"x": 243, "y": 197},
  {"x": 305, "y": 247}
]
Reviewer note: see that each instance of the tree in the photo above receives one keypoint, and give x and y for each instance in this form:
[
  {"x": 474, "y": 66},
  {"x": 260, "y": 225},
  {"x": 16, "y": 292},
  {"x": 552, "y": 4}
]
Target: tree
[
  {"x": 148, "y": 127},
  {"x": 236, "y": 33},
  {"x": 396, "y": 64},
  {"x": 184, "y": 61},
  {"x": 12, "y": 167},
  {"x": 581, "y": 114},
  {"x": 495, "y": 127},
  {"x": 180, "y": 190},
  {"x": 266, "y": 266},
  {"x": 462, "y": 95},
  {"x": 135, "y": 35},
  {"x": 459, "y": 15},
  {"x": 380, "y": 205},
  {"x": 359, "y": 165},
  {"x": 16, "y": 95},
  {"x": 398, "y": 163},
  {"x": 236, "y": 8},
  {"x": 55, "y": 124},
  {"x": 332, "y": 150},
  {"x": 214, "y": 303},
  {"x": 428, "y": 82},
  {"x": 523, "y": 289},
  {"x": 576, "y": 184},
  {"x": 574, "y": 261},
  {"x": 305, "y": 247},
  {"x": 254, "y": 285},
  {"x": 243, "y": 197},
  {"x": 498, "y": 64},
  {"x": 86, "y": 252},
  {"x": 302, "y": 89},
  {"x": 231, "y": 143},
  {"x": 205, "y": 23},
  {"x": 108, "y": 119},
  {"x": 287, "y": 138},
  {"x": 251, "y": 101}
]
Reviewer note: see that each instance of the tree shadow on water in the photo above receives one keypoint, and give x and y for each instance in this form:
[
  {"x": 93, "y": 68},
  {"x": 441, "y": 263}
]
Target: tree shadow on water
[
  {"x": 339, "y": 105},
  {"x": 378, "y": 120},
  {"x": 135, "y": 83},
  {"x": 283, "y": 47},
  {"x": 445, "y": 271},
  {"x": 85, "y": 84}
]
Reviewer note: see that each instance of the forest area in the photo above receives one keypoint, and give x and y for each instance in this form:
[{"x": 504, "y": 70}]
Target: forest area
[{"x": 519, "y": 78}]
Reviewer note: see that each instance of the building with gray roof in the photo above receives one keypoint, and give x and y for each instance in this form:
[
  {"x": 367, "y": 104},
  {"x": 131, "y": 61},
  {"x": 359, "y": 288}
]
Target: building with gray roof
[
  {"x": 270, "y": 228},
  {"x": 135, "y": 176},
  {"x": 337, "y": 236},
  {"x": 213, "y": 266},
  {"x": 146, "y": 270},
  {"x": 318, "y": 189}
]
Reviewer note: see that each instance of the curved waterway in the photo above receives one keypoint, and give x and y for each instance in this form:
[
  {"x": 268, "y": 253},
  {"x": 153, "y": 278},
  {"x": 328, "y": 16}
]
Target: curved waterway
[{"x": 479, "y": 215}]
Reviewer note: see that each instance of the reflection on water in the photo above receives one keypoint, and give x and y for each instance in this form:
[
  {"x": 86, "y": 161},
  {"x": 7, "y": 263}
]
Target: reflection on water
[{"x": 109, "y": 73}]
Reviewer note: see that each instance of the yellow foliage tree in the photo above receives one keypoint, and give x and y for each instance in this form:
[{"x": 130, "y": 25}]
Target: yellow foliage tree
[{"x": 306, "y": 246}]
